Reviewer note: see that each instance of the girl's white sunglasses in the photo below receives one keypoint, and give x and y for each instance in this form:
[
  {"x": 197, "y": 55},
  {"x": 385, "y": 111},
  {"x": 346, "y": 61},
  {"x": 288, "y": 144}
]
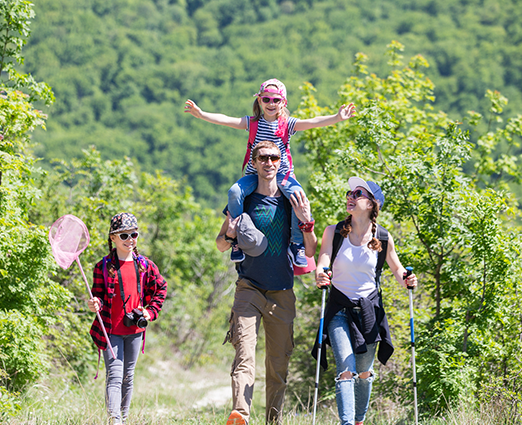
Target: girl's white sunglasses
[{"x": 125, "y": 236}]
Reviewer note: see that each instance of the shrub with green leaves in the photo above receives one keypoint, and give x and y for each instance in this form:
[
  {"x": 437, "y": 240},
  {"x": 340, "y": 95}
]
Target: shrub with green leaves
[{"x": 450, "y": 212}]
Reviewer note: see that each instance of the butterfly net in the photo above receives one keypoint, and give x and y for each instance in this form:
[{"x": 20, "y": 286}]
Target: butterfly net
[{"x": 68, "y": 237}]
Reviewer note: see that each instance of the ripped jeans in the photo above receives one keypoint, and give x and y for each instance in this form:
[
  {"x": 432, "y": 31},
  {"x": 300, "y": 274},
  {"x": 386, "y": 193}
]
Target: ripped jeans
[{"x": 352, "y": 395}]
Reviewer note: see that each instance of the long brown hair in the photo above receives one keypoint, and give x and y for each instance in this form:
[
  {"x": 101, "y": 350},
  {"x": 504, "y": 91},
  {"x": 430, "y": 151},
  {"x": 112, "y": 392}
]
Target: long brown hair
[
  {"x": 375, "y": 243},
  {"x": 113, "y": 259}
]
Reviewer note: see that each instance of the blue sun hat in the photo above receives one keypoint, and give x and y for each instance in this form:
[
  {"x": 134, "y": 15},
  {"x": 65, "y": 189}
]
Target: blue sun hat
[{"x": 370, "y": 186}]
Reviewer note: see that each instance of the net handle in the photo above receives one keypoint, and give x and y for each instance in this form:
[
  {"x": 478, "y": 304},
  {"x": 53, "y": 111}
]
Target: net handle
[
  {"x": 97, "y": 312},
  {"x": 56, "y": 225}
]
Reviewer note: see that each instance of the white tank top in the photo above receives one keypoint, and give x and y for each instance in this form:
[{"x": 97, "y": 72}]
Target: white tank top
[{"x": 354, "y": 270}]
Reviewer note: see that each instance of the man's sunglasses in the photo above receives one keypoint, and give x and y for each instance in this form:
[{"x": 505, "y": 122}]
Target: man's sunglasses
[
  {"x": 267, "y": 99},
  {"x": 125, "y": 236},
  {"x": 265, "y": 158},
  {"x": 356, "y": 194}
]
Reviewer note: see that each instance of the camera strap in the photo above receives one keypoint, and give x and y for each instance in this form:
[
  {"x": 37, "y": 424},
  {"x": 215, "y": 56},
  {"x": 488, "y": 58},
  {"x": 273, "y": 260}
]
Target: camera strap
[{"x": 120, "y": 281}]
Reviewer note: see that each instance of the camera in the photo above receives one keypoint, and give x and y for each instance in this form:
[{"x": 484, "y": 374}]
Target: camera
[{"x": 135, "y": 318}]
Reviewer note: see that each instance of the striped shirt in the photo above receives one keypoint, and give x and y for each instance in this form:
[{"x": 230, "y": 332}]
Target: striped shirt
[{"x": 266, "y": 131}]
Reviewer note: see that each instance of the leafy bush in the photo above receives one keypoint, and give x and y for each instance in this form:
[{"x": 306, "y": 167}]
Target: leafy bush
[{"x": 456, "y": 229}]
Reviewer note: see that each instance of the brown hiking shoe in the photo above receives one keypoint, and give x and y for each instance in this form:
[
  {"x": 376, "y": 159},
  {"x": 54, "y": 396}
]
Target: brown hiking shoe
[{"x": 235, "y": 418}]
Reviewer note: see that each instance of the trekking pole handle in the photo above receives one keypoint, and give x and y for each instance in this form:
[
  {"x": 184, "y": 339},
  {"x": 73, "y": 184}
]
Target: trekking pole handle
[
  {"x": 409, "y": 272},
  {"x": 328, "y": 272}
]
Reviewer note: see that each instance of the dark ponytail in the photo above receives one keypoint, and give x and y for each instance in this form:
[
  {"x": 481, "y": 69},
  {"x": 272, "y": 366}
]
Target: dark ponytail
[
  {"x": 347, "y": 228},
  {"x": 112, "y": 259},
  {"x": 140, "y": 265},
  {"x": 375, "y": 243}
]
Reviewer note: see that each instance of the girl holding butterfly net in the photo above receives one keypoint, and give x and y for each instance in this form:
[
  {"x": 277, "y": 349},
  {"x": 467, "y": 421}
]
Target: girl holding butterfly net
[
  {"x": 271, "y": 121},
  {"x": 128, "y": 291}
]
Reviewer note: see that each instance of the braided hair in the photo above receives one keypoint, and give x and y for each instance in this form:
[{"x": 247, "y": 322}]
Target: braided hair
[
  {"x": 113, "y": 259},
  {"x": 374, "y": 243}
]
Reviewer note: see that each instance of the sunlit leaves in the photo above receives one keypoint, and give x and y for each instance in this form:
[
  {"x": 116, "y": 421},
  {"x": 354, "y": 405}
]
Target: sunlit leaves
[{"x": 449, "y": 225}]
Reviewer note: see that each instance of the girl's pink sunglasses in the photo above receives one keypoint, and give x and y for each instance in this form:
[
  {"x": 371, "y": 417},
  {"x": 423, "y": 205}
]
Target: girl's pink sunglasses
[{"x": 267, "y": 99}]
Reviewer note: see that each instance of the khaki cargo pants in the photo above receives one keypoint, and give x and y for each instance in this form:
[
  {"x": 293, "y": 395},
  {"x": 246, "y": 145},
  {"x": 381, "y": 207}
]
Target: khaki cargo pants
[{"x": 277, "y": 309}]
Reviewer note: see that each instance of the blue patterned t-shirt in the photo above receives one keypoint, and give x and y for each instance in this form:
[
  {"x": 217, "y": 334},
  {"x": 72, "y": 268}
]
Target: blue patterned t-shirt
[{"x": 272, "y": 270}]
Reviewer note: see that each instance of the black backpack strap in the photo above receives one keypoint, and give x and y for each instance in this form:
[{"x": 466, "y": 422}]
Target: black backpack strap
[
  {"x": 337, "y": 242},
  {"x": 382, "y": 235}
]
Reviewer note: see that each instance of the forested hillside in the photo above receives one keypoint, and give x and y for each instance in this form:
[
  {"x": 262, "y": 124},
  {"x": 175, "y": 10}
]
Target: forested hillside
[{"x": 122, "y": 69}]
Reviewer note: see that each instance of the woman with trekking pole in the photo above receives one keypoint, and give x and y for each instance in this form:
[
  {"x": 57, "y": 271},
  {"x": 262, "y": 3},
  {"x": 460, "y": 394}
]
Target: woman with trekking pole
[
  {"x": 354, "y": 321},
  {"x": 129, "y": 291}
]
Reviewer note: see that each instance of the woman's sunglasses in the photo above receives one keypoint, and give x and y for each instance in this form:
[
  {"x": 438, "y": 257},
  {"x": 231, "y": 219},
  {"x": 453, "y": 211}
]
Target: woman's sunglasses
[
  {"x": 265, "y": 158},
  {"x": 125, "y": 236},
  {"x": 267, "y": 99},
  {"x": 356, "y": 194}
]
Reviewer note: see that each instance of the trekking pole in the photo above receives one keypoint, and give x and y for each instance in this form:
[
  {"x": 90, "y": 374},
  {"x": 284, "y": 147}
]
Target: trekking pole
[
  {"x": 320, "y": 344},
  {"x": 409, "y": 271}
]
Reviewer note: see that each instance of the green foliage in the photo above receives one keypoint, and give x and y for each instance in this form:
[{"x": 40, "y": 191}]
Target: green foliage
[
  {"x": 9, "y": 404},
  {"x": 16, "y": 16},
  {"x": 175, "y": 232},
  {"x": 29, "y": 300},
  {"x": 22, "y": 356},
  {"x": 14, "y": 29},
  {"x": 121, "y": 70},
  {"x": 46, "y": 319},
  {"x": 456, "y": 233}
]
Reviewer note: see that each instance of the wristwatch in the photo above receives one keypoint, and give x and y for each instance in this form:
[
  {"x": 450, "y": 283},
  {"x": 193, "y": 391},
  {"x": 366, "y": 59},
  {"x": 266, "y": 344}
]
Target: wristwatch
[{"x": 229, "y": 239}]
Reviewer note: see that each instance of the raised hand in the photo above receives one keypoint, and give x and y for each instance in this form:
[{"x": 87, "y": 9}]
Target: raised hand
[
  {"x": 301, "y": 206},
  {"x": 346, "y": 111},
  {"x": 193, "y": 109}
]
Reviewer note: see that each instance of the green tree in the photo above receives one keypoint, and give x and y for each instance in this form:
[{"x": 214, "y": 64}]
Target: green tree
[
  {"x": 175, "y": 232},
  {"x": 29, "y": 300},
  {"x": 456, "y": 229},
  {"x": 122, "y": 69}
]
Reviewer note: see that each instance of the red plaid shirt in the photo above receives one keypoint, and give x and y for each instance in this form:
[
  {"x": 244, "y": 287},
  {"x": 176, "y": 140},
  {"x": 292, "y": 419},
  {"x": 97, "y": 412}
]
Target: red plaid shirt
[{"x": 154, "y": 292}]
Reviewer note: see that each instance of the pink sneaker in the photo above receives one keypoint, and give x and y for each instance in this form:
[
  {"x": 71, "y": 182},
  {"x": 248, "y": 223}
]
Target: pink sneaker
[{"x": 235, "y": 418}]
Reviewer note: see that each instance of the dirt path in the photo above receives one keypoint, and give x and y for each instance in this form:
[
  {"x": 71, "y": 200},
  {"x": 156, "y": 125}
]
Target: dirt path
[{"x": 195, "y": 389}]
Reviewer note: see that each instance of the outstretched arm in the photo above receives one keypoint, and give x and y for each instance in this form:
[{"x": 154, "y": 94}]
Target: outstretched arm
[
  {"x": 345, "y": 112},
  {"x": 221, "y": 119},
  {"x": 301, "y": 206},
  {"x": 396, "y": 267}
]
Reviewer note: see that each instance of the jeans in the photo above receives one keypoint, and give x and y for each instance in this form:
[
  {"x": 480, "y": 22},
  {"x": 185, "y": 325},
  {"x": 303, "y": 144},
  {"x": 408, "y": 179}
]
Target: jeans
[
  {"x": 120, "y": 374},
  {"x": 352, "y": 395},
  {"x": 277, "y": 310},
  {"x": 246, "y": 185}
]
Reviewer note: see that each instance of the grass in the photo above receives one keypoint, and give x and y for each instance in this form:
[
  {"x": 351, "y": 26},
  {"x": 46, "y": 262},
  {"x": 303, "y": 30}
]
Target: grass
[{"x": 165, "y": 393}]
